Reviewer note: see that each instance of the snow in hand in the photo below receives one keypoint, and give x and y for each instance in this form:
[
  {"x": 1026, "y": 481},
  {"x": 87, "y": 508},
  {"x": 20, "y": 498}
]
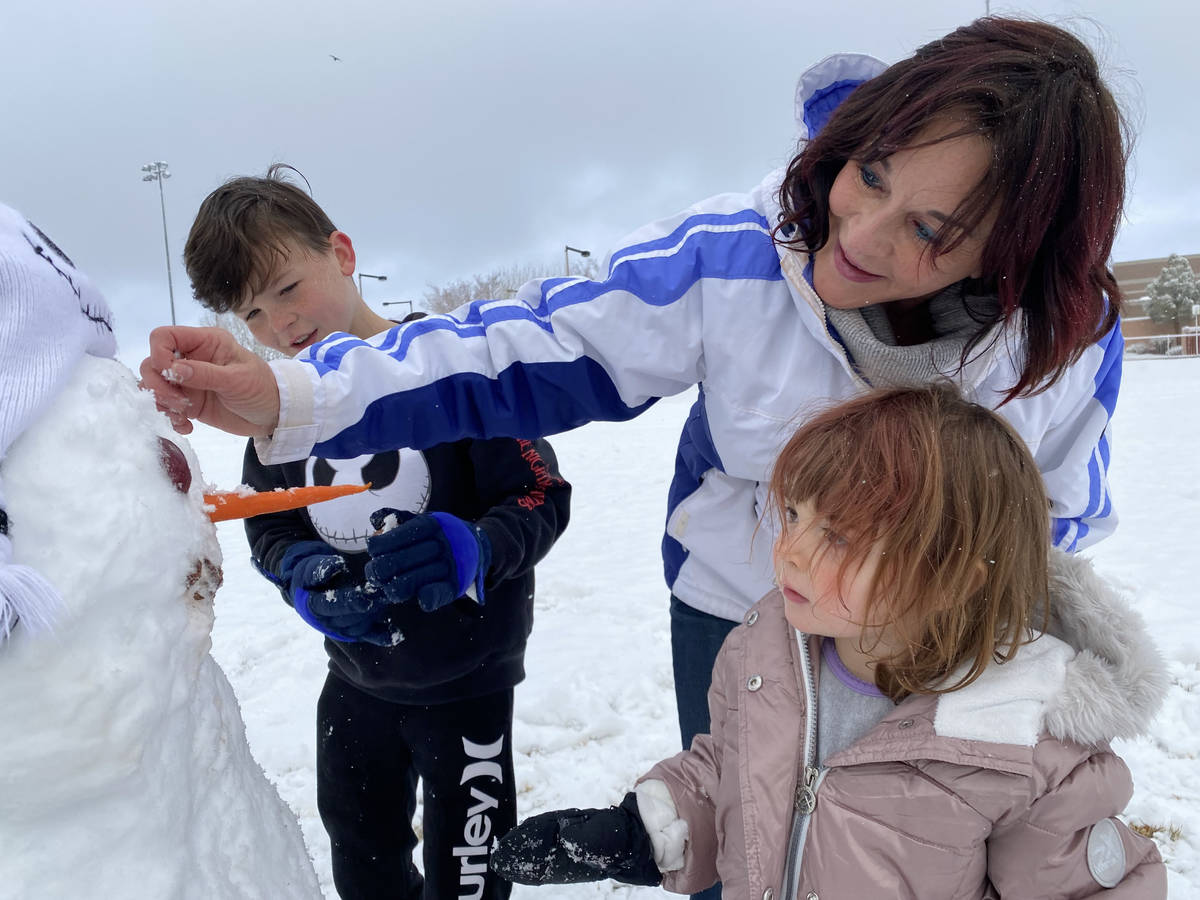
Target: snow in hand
[
  {"x": 124, "y": 768},
  {"x": 596, "y": 710}
]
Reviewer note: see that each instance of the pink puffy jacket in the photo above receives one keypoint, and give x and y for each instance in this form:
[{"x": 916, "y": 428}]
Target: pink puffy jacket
[{"x": 1005, "y": 789}]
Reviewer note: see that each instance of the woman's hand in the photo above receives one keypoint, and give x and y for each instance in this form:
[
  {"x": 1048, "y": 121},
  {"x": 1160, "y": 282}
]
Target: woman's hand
[{"x": 204, "y": 374}]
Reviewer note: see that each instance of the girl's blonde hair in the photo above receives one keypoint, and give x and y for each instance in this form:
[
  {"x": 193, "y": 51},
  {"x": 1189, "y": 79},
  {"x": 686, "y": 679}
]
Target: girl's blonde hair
[{"x": 949, "y": 494}]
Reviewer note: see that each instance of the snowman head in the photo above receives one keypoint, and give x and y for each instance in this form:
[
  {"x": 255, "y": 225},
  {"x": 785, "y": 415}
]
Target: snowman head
[{"x": 51, "y": 317}]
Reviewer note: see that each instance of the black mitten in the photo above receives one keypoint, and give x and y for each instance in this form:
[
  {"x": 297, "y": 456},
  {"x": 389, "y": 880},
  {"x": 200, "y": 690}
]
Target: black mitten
[{"x": 572, "y": 845}]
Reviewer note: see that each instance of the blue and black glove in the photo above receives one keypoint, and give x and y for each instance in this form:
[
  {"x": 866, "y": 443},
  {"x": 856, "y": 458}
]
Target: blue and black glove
[
  {"x": 326, "y": 595},
  {"x": 568, "y": 846},
  {"x": 434, "y": 557}
]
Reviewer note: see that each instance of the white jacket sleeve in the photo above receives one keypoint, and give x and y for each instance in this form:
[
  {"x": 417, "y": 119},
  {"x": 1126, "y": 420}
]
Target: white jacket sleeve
[
  {"x": 1073, "y": 454},
  {"x": 563, "y": 352}
]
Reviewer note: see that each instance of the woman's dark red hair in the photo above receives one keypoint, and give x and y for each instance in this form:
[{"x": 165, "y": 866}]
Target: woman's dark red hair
[{"x": 1057, "y": 178}]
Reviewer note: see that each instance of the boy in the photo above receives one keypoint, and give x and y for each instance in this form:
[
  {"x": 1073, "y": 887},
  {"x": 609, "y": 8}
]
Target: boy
[{"x": 425, "y": 623}]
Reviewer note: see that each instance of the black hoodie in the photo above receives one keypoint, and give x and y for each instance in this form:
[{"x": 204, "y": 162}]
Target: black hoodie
[{"x": 510, "y": 488}]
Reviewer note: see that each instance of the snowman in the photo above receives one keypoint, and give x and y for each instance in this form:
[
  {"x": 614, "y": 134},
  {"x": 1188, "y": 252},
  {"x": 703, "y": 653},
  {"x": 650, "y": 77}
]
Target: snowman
[{"x": 124, "y": 767}]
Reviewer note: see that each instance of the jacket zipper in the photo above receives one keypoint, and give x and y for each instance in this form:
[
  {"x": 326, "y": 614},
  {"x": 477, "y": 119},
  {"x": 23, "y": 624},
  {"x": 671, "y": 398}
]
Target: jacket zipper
[
  {"x": 804, "y": 789},
  {"x": 809, "y": 778},
  {"x": 793, "y": 274}
]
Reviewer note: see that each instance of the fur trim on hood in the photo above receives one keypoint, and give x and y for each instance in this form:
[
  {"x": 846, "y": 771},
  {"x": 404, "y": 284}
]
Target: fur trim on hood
[
  {"x": 1117, "y": 679},
  {"x": 1093, "y": 674}
]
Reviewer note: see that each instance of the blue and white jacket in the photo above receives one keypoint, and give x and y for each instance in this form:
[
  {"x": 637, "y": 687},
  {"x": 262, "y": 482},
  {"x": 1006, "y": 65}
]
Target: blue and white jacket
[{"x": 703, "y": 298}]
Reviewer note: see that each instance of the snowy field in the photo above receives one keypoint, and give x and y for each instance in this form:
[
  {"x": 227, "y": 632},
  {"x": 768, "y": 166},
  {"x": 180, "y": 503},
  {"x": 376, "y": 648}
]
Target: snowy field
[{"x": 597, "y": 706}]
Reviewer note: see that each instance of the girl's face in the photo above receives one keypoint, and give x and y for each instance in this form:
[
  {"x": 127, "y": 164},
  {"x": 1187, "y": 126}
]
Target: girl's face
[
  {"x": 817, "y": 598},
  {"x": 883, "y": 215}
]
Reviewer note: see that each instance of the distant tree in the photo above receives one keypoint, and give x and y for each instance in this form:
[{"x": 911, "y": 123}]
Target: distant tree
[
  {"x": 1172, "y": 293},
  {"x": 241, "y": 333},
  {"x": 587, "y": 267},
  {"x": 500, "y": 284}
]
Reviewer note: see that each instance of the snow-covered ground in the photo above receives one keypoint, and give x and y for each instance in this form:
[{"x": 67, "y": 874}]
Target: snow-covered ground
[{"x": 597, "y": 706}]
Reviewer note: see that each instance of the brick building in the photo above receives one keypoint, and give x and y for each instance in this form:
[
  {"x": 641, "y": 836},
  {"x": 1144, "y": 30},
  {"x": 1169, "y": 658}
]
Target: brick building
[{"x": 1133, "y": 277}]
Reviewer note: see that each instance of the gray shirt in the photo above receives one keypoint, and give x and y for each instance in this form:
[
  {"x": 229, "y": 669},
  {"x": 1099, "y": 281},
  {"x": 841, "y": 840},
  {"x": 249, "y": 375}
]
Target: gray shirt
[{"x": 847, "y": 707}]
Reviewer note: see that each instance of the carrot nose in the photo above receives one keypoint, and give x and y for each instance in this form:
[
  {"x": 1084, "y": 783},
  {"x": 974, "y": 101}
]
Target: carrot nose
[{"x": 223, "y": 505}]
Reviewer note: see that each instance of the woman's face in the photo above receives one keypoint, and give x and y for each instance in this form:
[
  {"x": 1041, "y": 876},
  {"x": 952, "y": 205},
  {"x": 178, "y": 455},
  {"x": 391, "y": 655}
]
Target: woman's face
[{"x": 883, "y": 215}]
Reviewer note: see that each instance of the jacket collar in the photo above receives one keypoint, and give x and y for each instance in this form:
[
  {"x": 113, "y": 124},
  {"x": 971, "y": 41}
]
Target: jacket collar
[
  {"x": 1092, "y": 676},
  {"x": 1001, "y": 339}
]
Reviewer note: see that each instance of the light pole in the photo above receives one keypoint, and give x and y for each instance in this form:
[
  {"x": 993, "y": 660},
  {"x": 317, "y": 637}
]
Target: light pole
[
  {"x": 157, "y": 171},
  {"x": 362, "y": 275},
  {"x": 567, "y": 251},
  {"x": 407, "y": 303}
]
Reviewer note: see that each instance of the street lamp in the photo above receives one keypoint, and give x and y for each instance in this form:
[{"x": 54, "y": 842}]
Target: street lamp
[
  {"x": 407, "y": 303},
  {"x": 362, "y": 275},
  {"x": 567, "y": 251},
  {"x": 157, "y": 171}
]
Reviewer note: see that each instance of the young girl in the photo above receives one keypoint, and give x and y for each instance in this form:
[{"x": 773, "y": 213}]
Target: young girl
[
  {"x": 951, "y": 215},
  {"x": 917, "y": 711}
]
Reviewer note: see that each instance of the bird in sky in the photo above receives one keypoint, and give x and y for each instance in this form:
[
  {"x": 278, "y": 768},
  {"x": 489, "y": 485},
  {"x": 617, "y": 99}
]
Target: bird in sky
[{"x": 335, "y": 58}]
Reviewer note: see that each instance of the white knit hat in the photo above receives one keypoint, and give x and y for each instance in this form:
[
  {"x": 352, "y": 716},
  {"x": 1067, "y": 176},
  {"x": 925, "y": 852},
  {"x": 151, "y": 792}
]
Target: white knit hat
[{"x": 50, "y": 317}]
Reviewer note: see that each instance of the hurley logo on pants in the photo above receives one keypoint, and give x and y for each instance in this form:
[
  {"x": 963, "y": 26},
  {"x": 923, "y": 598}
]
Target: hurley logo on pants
[{"x": 477, "y": 830}]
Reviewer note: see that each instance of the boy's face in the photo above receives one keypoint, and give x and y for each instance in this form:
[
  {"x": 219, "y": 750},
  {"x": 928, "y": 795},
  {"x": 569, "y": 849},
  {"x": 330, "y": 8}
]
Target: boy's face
[{"x": 308, "y": 296}]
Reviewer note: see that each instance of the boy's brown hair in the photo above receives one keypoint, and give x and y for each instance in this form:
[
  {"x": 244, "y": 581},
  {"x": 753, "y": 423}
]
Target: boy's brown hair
[
  {"x": 950, "y": 495},
  {"x": 239, "y": 236}
]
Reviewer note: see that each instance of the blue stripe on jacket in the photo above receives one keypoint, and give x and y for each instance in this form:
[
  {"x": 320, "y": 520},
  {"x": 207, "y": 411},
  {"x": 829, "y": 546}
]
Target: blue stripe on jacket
[
  {"x": 679, "y": 233},
  {"x": 656, "y": 280},
  {"x": 696, "y": 455},
  {"x": 535, "y": 398},
  {"x": 1070, "y": 532},
  {"x": 527, "y": 400}
]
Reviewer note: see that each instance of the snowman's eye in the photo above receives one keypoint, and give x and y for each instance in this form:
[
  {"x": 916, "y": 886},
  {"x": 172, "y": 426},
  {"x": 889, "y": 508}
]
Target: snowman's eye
[{"x": 175, "y": 464}]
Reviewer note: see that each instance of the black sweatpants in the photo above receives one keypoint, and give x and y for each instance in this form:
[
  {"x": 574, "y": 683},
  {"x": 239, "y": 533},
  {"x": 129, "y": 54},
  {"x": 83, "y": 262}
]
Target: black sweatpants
[{"x": 370, "y": 753}]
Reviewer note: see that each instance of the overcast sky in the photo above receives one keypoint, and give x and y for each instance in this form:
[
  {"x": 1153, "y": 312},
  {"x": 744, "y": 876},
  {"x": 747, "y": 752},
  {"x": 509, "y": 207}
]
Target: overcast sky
[{"x": 455, "y": 137}]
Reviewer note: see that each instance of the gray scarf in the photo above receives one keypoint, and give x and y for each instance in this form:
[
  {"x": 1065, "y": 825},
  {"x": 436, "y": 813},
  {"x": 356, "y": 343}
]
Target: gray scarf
[{"x": 867, "y": 335}]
